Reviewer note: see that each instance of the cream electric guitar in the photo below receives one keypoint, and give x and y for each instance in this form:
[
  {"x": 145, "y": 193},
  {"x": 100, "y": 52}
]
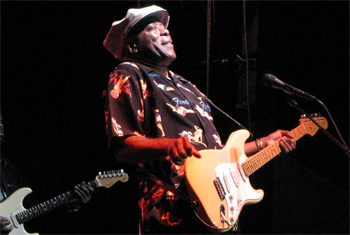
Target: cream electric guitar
[
  {"x": 219, "y": 181},
  {"x": 12, "y": 208}
]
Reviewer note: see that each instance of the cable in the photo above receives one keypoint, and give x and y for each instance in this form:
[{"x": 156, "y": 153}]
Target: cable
[
  {"x": 228, "y": 116},
  {"x": 208, "y": 44},
  {"x": 246, "y": 63}
]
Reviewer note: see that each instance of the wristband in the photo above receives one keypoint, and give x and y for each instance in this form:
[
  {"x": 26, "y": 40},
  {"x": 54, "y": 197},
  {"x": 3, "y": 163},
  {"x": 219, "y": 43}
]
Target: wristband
[{"x": 259, "y": 144}]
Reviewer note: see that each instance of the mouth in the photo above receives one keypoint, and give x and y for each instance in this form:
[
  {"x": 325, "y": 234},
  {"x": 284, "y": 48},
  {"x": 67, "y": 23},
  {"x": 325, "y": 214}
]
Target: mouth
[{"x": 167, "y": 43}]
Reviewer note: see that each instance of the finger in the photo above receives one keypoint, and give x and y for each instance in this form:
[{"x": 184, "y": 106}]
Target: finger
[
  {"x": 287, "y": 133},
  {"x": 79, "y": 191},
  {"x": 5, "y": 222},
  {"x": 181, "y": 147},
  {"x": 196, "y": 153},
  {"x": 175, "y": 156},
  {"x": 86, "y": 188},
  {"x": 7, "y": 228},
  {"x": 82, "y": 191},
  {"x": 91, "y": 189},
  {"x": 173, "y": 152},
  {"x": 286, "y": 144},
  {"x": 292, "y": 144},
  {"x": 187, "y": 146},
  {"x": 83, "y": 196}
]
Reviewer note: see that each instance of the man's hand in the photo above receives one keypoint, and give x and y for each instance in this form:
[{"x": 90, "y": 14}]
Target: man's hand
[
  {"x": 84, "y": 191},
  {"x": 286, "y": 140},
  {"x": 5, "y": 225},
  {"x": 180, "y": 149},
  {"x": 82, "y": 194}
]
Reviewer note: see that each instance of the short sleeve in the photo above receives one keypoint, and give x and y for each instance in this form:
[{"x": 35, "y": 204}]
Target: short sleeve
[{"x": 124, "y": 104}]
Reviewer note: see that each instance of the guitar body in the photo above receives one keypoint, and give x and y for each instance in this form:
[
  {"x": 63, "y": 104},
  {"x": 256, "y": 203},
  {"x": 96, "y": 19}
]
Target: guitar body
[
  {"x": 219, "y": 184},
  {"x": 14, "y": 205},
  {"x": 219, "y": 181}
]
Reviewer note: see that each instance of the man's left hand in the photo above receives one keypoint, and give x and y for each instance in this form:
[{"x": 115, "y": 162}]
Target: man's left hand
[{"x": 286, "y": 140}]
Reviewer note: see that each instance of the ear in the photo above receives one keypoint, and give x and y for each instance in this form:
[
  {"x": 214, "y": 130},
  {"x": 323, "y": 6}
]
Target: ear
[{"x": 132, "y": 47}]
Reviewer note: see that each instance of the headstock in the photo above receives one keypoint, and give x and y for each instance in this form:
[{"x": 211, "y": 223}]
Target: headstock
[
  {"x": 309, "y": 126},
  {"x": 108, "y": 178}
]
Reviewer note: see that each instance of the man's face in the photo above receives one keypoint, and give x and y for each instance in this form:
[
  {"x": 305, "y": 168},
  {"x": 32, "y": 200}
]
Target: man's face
[{"x": 155, "y": 46}]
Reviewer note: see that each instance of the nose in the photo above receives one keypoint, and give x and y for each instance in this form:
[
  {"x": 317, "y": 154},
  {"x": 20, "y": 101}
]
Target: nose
[{"x": 165, "y": 32}]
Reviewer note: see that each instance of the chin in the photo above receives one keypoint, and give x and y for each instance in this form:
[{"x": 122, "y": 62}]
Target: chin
[{"x": 165, "y": 61}]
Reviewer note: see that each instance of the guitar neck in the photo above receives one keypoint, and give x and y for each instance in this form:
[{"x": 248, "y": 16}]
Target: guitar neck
[
  {"x": 48, "y": 205},
  {"x": 259, "y": 159}
]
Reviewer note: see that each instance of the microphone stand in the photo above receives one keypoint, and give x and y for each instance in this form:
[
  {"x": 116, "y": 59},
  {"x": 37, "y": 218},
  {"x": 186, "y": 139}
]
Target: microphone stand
[{"x": 294, "y": 104}]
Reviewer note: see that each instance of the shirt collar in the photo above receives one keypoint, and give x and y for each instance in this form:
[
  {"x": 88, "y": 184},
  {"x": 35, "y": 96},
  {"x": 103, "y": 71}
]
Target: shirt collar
[{"x": 173, "y": 75}]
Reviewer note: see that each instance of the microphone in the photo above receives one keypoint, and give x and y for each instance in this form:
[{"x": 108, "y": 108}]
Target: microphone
[{"x": 271, "y": 80}]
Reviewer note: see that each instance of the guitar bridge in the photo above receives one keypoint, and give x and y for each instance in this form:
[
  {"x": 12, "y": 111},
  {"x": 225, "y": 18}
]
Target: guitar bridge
[{"x": 219, "y": 188}]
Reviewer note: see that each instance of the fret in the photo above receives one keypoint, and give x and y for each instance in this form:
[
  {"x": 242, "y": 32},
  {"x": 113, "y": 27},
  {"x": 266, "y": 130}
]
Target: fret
[
  {"x": 62, "y": 199},
  {"x": 48, "y": 206},
  {"x": 302, "y": 131},
  {"x": 260, "y": 162},
  {"x": 93, "y": 184},
  {"x": 19, "y": 219},
  {"x": 66, "y": 199},
  {"x": 52, "y": 203},
  {"x": 29, "y": 214},
  {"x": 254, "y": 165},
  {"x": 266, "y": 155},
  {"x": 245, "y": 168},
  {"x": 250, "y": 169},
  {"x": 26, "y": 215},
  {"x": 33, "y": 209},
  {"x": 59, "y": 200},
  {"x": 38, "y": 211},
  {"x": 44, "y": 207}
]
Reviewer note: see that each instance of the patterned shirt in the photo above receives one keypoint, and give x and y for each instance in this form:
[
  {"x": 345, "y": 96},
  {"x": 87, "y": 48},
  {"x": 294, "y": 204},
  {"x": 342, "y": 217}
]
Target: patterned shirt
[{"x": 141, "y": 102}]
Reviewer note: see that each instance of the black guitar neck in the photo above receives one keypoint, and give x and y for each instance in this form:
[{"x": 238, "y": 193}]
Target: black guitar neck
[{"x": 48, "y": 205}]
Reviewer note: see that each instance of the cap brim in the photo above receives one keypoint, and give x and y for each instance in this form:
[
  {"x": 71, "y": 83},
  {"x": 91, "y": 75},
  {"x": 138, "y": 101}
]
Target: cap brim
[
  {"x": 161, "y": 16},
  {"x": 116, "y": 34}
]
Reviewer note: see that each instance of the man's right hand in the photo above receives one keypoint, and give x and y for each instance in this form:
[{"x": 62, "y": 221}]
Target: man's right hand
[
  {"x": 180, "y": 149},
  {"x": 5, "y": 225}
]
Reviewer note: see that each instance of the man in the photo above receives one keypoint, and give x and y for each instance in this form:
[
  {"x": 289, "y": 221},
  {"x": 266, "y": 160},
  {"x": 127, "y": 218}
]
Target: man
[{"x": 156, "y": 119}]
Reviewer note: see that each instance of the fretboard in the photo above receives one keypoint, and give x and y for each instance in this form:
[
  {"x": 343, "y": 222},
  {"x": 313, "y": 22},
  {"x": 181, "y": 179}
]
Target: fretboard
[
  {"x": 48, "y": 205},
  {"x": 259, "y": 159}
]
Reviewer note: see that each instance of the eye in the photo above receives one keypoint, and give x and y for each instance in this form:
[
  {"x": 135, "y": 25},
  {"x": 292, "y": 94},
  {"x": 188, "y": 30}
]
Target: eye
[{"x": 151, "y": 27}]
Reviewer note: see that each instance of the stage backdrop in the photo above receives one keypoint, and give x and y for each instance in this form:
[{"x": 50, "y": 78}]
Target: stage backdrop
[{"x": 54, "y": 69}]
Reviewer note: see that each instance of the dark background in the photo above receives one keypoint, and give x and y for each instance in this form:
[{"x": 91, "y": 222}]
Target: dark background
[{"x": 53, "y": 70}]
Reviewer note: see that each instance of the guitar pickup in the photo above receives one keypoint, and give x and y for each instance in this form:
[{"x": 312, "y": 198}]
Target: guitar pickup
[{"x": 219, "y": 188}]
